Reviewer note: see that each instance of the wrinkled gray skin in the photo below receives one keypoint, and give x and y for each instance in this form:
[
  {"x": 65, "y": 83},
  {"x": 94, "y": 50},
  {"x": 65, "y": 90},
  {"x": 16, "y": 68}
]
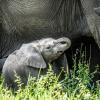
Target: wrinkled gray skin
[
  {"x": 32, "y": 57},
  {"x": 2, "y": 63},
  {"x": 93, "y": 20},
  {"x": 23, "y": 21},
  {"x": 97, "y": 10}
]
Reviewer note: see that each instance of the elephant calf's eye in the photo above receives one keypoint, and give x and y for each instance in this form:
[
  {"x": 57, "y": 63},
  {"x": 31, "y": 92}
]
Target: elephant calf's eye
[
  {"x": 63, "y": 42},
  {"x": 48, "y": 47}
]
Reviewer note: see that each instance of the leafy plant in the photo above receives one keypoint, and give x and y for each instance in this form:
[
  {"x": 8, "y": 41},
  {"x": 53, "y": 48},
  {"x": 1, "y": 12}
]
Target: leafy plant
[{"x": 75, "y": 86}]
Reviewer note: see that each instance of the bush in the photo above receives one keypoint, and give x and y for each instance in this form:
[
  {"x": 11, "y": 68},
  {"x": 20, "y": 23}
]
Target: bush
[{"x": 75, "y": 86}]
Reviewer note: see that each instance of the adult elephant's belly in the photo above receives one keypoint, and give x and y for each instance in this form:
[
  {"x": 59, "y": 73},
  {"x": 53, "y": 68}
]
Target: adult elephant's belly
[
  {"x": 37, "y": 19},
  {"x": 34, "y": 18},
  {"x": 37, "y": 27}
]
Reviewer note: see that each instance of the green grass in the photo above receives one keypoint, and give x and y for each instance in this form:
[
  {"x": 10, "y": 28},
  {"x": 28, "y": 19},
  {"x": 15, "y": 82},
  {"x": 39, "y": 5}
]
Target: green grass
[{"x": 75, "y": 86}]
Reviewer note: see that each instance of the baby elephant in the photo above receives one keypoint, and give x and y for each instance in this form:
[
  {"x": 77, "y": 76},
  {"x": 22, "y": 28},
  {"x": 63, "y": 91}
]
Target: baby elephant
[{"x": 32, "y": 57}]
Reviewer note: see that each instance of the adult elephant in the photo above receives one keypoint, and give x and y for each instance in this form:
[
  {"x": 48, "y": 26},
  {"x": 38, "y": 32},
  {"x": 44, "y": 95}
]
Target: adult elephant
[{"x": 27, "y": 20}]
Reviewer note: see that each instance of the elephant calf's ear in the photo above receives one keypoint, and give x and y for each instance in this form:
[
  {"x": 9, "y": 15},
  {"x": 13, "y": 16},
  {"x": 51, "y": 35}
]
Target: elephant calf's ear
[{"x": 36, "y": 60}]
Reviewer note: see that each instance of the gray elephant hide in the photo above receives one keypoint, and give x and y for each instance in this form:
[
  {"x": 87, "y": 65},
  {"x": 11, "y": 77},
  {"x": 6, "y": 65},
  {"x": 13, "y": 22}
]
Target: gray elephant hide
[
  {"x": 2, "y": 61},
  {"x": 22, "y": 21},
  {"x": 32, "y": 57},
  {"x": 92, "y": 18},
  {"x": 97, "y": 10}
]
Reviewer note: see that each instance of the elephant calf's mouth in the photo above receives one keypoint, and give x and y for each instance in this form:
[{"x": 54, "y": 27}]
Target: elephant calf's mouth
[{"x": 59, "y": 52}]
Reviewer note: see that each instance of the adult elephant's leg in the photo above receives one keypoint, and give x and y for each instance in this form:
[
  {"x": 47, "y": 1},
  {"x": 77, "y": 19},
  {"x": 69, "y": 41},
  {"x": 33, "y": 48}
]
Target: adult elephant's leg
[
  {"x": 92, "y": 18},
  {"x": 93, "y": 21}
]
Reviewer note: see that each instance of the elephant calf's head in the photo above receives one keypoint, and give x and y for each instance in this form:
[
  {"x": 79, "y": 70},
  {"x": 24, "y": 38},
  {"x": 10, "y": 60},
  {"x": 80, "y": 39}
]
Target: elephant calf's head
[
  {"x": 41, "y": 52},
  {"x": 51, "y": 48}
]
